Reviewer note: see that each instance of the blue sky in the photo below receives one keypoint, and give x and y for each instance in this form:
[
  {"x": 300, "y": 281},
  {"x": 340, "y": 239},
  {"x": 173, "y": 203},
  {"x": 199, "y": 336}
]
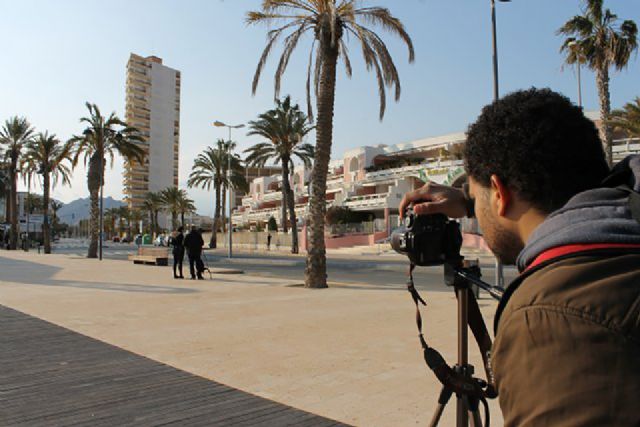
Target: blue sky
[{"x": 58, "y": 54}]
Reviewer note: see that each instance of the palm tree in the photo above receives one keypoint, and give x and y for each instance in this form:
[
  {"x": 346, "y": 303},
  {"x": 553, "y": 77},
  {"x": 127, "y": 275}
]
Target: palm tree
[
  {"x": 171, "y": 198},
  {"x": 47, "y": 156},
  {"x": 55, "y": 207},
  {"x": 123, "y": 223},
  {"x": 185, "y": 206},
  {"x": 35, "y": 203},
  {"x": 284, "y": 127},
  {"x": 329, "y": 22},
  {"x": 5, "y": 186},
  {"x": 207, "y": 171},
  {"x": 627, "y": 119},
  {"x": 135, "y": 216},
  {"x": 153, "y": 205},
  {"x": 103, "y": 137},
  {"x": 111, "y": 216},
  {"x": 596, "y": 38},
  {"x": 15, "y": 134},
  {"x": 237, "y": 180}
]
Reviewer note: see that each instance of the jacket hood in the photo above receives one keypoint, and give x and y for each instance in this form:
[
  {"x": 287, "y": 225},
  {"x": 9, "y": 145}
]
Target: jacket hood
[{"x": 601, "y": 215}]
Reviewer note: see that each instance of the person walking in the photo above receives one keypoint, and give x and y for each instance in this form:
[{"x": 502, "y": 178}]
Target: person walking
[
  {"x": 269, "y": 242},
  {"x": 193, "y": 243},
  {"x": 176, "y": 241}
]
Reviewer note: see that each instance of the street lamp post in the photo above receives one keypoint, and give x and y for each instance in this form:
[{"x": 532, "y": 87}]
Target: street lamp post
[
  {"x": 496, "y": 95},
  {"x": 230, "y": 188}
]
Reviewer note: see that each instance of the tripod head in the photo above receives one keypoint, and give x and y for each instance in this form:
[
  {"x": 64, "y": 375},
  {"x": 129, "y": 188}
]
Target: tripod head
[{"x": 461, "y": 273}]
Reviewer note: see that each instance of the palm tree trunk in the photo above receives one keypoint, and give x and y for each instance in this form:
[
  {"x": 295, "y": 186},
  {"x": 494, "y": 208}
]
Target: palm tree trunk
[
  {"x": 7, "y": 204},
  {"x": 13, "y": 172},
  {"x": 46, "y": 229},
  {"x": 602, "y": 78},
  {"x": 223, "y": 209},
  {"x": 316, "y": 269},
  {"x": 287, "y": 194},
  {"x": 174, "y": 220},
  {"x": 93, "y": 182},
  {"x": 155, "y": 221},
  {"x": 182, "y": 219},
  {"x": 54, "y": 220},
  {"x": 213, "y": 243}
]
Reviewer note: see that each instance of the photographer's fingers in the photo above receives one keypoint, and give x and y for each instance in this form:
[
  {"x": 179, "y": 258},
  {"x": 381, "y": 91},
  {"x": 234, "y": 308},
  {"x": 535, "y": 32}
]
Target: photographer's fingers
[
  {"x": 419, "y": 195},
  {"x": 429, "y": 208}
]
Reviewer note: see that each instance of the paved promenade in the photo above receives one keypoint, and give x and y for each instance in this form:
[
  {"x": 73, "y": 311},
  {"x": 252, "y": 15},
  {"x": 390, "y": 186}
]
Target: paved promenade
[
  {"x": 78, "y": 380},
  {"x": 348, "y": 353}
]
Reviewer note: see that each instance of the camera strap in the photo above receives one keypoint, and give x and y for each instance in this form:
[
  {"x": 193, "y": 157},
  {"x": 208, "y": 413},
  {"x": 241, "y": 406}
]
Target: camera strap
[{"x": 448, "y": 376}]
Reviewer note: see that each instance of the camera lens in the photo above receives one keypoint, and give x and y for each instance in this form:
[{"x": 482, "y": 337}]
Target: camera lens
[{"x": 408, "y": 221}]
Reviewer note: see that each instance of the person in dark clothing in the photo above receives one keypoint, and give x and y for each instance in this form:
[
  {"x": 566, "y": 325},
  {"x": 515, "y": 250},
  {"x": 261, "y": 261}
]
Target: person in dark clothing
[
  {"x": 269, "y": 242},
  {"x": 566, "y": 348},
  {"x": 193, "y": 243},
  {"x": 176, "y": 241}
]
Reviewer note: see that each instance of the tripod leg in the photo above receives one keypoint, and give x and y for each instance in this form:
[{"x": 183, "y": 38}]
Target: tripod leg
[
  {"x": 474, "y": 412},
  {"x": 475, "y": 419},
  {"x": 462, "y": 414},
  {"x": 445, "y": 395}
]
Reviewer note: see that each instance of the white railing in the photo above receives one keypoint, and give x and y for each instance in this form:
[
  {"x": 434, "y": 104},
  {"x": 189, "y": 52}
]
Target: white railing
[
  {"x": 238, "y": 218},
  {"x": 624, "y": 147},
  {"x": 369, "y": 200},
  {"x": 404, "y": 171},
  {"x": 263, "y": 214},
  {"x": 272, "y": 197},
  {"x": 335, "y": 183}
]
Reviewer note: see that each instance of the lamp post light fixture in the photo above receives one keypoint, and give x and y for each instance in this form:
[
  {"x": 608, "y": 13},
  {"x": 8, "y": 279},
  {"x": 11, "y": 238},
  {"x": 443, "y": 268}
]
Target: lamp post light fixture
[{"x": 218, "y": 123}]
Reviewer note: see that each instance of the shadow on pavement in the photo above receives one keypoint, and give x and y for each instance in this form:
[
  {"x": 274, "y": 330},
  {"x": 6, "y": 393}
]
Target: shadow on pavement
[{"x": 37, "y": 274}]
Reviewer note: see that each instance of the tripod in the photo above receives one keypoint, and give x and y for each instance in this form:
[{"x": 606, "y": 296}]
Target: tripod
[{"x": 459, "y": 379}]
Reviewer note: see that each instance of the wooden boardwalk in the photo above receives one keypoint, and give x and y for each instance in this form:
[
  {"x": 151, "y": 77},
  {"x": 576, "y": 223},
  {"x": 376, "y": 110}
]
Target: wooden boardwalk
[{"x": 51, "y": 376}]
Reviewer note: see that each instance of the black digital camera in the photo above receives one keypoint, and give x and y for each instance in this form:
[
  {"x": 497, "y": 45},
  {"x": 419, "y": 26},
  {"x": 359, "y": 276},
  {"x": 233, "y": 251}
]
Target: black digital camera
[{"x": 428, "y": 239}]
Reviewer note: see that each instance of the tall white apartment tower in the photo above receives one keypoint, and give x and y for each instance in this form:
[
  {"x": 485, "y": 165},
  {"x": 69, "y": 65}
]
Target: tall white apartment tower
[{"x": 153, "y": 107}]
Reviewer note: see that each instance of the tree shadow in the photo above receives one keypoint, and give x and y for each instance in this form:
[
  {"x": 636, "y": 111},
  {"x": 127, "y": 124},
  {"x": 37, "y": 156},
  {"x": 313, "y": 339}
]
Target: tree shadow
[{"x": 38, "y": 274}]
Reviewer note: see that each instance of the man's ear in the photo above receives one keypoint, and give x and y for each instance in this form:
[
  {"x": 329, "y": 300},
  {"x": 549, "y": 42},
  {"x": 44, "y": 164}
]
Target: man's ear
[{"x": 501, "y": 196}]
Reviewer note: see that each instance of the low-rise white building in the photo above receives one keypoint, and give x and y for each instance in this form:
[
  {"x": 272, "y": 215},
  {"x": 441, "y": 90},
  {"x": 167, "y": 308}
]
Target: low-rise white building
[
  {"x": 370, "y": 179},
  {"x": 373, "y": 179}
]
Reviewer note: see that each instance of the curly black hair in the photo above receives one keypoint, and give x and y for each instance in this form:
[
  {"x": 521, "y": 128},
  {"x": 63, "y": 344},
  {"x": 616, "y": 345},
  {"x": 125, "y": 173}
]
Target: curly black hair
[{"x": 539, "y": 144}]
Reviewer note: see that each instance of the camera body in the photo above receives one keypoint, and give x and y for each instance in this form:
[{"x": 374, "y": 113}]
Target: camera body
[{"x": 428, "y": 240}]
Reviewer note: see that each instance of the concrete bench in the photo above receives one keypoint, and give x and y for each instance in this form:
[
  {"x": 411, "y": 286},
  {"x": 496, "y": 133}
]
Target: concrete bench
[{"x": 153, "y": 256}]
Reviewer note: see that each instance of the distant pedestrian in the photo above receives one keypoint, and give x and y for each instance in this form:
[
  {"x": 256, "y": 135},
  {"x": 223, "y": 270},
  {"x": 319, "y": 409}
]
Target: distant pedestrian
[
  {"x": 176, "y": 242},
  {"x": 193, "y": 243},
  {"x": 269, "y": 241}
]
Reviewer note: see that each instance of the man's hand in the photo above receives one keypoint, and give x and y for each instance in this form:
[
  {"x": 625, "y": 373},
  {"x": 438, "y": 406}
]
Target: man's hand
[{"x": 434, "y": 198}]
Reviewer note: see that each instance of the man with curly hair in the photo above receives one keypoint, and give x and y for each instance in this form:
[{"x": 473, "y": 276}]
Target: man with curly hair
[{"x": 567, "y": 346}]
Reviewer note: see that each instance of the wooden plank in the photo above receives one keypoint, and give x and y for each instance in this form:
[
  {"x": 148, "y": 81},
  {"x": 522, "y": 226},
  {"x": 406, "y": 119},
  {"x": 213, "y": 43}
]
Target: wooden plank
[{"x": 53, "y": 376}]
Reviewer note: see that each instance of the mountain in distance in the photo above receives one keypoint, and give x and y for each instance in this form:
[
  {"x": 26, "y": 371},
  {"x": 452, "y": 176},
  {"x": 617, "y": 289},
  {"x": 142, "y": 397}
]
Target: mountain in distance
[{"x": 71, "y": 213}]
